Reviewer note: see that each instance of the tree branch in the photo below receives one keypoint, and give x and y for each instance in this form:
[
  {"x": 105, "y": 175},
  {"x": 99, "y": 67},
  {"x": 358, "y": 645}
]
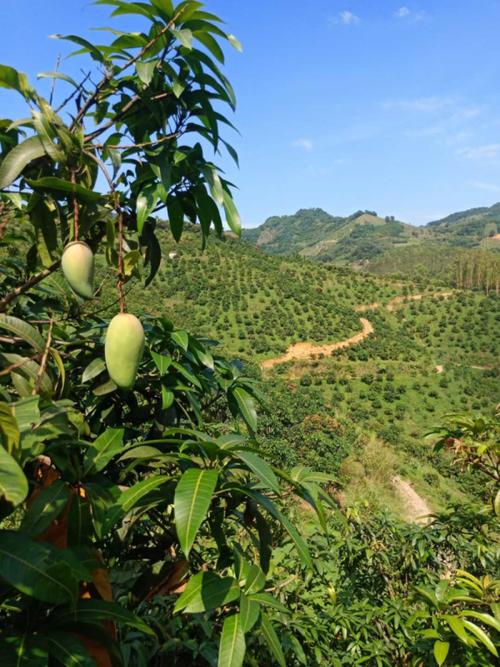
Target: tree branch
[
  {"x": 43, "y": 362},
  {"x": 34, "y": 280},
  {"x": 93, "y": 98}
]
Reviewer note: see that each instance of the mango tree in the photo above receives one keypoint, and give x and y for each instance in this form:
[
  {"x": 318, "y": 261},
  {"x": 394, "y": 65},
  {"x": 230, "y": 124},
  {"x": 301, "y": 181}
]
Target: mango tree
[{"x": 137, "y": 514}]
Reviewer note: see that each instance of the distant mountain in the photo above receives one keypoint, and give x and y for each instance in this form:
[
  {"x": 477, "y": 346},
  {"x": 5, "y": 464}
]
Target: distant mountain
[
  {"x": 316, "y": 234},
  {"x": 289, "y": 234},
  {"x": 471, "y": 228},
  {"x": 364, "y": 237}
]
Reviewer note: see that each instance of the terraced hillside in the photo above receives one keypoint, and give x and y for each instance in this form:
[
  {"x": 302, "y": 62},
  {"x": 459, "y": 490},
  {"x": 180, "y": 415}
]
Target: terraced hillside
[
  {"x": 425, "y": 358},
  {"x": 388, "y": 357},
  {"x": 256, "y": 304}
]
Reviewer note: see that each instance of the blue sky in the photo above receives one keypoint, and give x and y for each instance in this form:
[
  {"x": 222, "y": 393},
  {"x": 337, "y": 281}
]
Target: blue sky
[{"x": 344, "y": 105}]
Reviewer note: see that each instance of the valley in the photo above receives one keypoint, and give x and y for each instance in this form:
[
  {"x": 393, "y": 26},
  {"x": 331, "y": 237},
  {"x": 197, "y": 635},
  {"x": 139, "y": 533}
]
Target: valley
[{"x": 387, "y": 357}]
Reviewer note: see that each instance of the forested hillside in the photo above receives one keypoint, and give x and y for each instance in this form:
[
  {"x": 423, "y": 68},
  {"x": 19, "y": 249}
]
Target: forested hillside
[{"x": 385, "y": 245}]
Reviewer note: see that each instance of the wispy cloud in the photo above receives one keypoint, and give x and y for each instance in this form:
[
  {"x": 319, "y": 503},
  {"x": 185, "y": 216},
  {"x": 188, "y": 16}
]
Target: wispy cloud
[
  {"x": 420, "y": 104},
  {"x": 487, "y": 187},
  {"x": 429, "y": 131},
  {"x": 304, "y": 143},
  {"x": 345, "y": 17},
  {"x": 486, "y": 152},
  {"x": 404, "y": 13}
]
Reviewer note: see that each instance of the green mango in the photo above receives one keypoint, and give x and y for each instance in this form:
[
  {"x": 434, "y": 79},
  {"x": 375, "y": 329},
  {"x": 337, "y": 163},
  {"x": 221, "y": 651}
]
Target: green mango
[
  {"x": 77, "y": 264},
  {"x": 123, "y": 349}
]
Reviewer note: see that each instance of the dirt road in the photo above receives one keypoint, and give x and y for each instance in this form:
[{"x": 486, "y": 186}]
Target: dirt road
[
  {"x": 398, "y": 300},
  {"x": 305, "y": 351}
]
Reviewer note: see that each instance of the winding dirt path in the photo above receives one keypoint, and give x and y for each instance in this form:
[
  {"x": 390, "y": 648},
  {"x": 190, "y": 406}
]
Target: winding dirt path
[
  {"x": 305, "y": 351},
  {"x": 416, "y": 508},
  {"x": 398, "y": 300}
]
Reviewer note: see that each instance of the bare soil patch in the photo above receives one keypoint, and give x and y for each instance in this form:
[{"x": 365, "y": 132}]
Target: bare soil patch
[
  {"x": 416, "y": 508},
  {"x": 305, "y": 351}
]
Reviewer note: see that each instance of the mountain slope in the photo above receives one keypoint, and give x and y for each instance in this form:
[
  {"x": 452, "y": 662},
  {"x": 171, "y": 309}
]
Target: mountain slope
[
  {"x": 316, "y": 234},
  {"x": 364, "y": 237}
]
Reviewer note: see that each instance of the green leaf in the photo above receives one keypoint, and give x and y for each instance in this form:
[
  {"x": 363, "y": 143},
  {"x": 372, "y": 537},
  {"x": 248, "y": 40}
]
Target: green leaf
[
  {"x": 13, "y": 482},
  {"x": 235, "y": 43},
  {"x": 165, "y": 7},
  {"x": 128, "y": 8},
  {"x": 482, "y": 636},
  {"x": 457, "y": 627},
  {"x": 249, "y": 613},
  {"x": 441, "y": 650},
  {"x": 11, "y": 78},
  {"x": 167, "y": 397},
  {"x": 47, "y": 506},
  {"x": 186, "y": 374},
  {"x": 272, "y": 640},
  {"x": 105, "y": 388},
  {"x": 67, "y": 650},
  {"x": 141, "y": 452},
  {"x": 269, "y": 601},
  {"x": 52, "y": 183},
  {"x": 214, "y": 184},
  {"x": 24, "y": 330},
  {"x": 260, "y": 468},
  {"x": 131, "y": 497},
  {"x": 232, "y": 215},
  {"x": 102, "y": 450},
  {"x": 185, "y": 37},
  {"x": 487, "y": 619},
  {"x": 57, "y": 75},
  {"x": 95, "y": 611},
  {"x": 175, "y": 216},
  {"x": 130, "y": 261},
  {"x": 206, "y": 591},
  {"x": 95, "y": 368},
  {"x": 193, "y": 496},
  {"x": 246, "y": 407},
  {"x": 145, "y": 205},
  {"x": 181, "y": 338},
  {"x": 87, "y": 47},
  {"x": 232, "y": 643},
  {"x": 9, "y": 427},
  {"x": 18, "y": 159},
  {"x": 145, "y": 71},
  {"x": 37, "y": 570},
  {"x": 285, "y": 522},
  {"x": 162, "y": 362},
  {"x": 27, "y": 413}
]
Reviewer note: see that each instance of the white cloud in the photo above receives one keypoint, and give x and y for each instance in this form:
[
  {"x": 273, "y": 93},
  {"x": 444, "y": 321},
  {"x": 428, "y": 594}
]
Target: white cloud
[
  {"x": 488, "y": 187},
  {"x": 402, "y": 12},
  {"x": 406, "y": 14},
  {"x": 345, "y": 18},
  {"x": 487, "y": 152},
  {"x": 304, "y": 143}
]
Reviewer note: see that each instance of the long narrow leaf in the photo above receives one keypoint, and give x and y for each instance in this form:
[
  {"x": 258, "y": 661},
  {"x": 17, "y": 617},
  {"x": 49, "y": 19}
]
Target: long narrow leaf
[{"x": 193, "y": 496}]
